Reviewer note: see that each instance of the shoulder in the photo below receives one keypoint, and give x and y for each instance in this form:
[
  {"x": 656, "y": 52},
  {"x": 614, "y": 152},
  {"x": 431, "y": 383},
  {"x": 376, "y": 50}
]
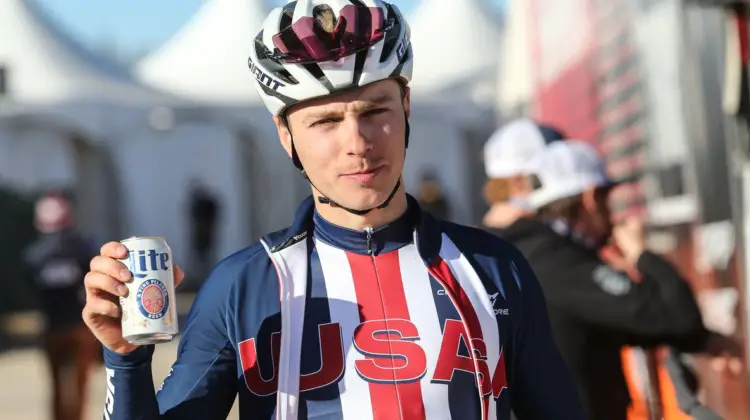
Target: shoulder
[
  {"x": 84, "y": 246},
  {"x": 231, "y": 273},
  {"x": 472, "y": 241},
  {"x": 237, "y": 266},
  {"x": 497, "y": 262}
]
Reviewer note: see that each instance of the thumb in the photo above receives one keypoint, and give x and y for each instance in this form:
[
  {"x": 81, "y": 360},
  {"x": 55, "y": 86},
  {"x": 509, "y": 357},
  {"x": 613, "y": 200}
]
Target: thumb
[{"x": 179, "y": 275}]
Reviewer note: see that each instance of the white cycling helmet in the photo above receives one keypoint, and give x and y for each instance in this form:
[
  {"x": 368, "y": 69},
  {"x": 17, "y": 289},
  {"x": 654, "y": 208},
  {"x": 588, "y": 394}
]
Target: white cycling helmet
[{"x": 294, "y": 58}]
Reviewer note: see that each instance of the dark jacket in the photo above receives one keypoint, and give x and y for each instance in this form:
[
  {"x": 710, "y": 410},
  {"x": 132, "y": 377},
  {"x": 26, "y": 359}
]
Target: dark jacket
[
  {"x": 595, "y": 310},
  {"x": 57, "y": 263}
]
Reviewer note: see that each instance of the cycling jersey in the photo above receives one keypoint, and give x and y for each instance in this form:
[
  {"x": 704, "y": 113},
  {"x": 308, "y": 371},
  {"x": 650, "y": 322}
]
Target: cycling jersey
[{"x": 421, "y": 319}]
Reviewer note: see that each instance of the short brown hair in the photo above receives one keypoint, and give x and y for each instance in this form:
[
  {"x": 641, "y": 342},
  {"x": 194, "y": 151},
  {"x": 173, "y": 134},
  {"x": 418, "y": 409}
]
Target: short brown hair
[
  {"x": 566, "y": 209},
  {"x": 496, "y": 190}
]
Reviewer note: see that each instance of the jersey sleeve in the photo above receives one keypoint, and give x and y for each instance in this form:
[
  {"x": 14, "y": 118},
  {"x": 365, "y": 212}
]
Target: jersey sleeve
[
  {"x": 542, "y": 386},
  {"x": 202, "y": 383},
  {"x": 659, "y": 308}
]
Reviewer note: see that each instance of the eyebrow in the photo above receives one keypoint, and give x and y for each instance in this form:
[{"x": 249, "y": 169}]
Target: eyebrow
[
  {"x": 384, "y": 98},
  {"x": 366, "y": 105}
]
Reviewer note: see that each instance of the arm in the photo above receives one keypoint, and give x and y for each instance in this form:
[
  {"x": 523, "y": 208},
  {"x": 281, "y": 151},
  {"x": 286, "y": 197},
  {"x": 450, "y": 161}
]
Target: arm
[
  {"x": 543, "y": 387},
  {"x": 660, "y": 308},
  {"x": 203, "y": 381},
  {"x": 691, "y": 335}
]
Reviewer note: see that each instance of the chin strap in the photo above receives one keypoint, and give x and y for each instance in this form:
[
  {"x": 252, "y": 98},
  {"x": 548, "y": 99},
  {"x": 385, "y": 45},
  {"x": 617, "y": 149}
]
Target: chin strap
[{"x": 322, "y": 199}]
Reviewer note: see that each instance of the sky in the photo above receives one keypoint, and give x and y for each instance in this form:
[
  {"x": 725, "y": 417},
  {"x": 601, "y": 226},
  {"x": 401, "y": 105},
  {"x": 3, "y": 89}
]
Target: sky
[{"x": 136, "y": 26}]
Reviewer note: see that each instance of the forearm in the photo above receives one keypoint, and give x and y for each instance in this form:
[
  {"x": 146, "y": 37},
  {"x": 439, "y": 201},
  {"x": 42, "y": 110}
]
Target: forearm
[
  {"x": 130, "y": 386},
  {"x": 678, "y": 299}
]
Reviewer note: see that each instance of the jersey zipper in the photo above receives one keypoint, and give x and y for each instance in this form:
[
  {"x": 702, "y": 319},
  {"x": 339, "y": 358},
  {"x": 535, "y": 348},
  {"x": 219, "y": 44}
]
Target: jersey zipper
[{"x": 368, "y": 231}]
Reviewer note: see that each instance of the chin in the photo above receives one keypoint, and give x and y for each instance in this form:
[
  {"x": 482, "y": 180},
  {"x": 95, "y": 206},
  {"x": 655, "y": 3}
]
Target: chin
[{"x": 364, "y": 198}]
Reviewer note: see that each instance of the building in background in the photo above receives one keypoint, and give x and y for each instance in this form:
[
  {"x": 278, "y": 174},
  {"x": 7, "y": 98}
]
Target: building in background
[{"x": 645, "y": 82}]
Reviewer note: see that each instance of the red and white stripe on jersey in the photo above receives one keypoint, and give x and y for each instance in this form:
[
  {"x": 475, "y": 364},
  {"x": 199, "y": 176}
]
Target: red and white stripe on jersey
[
  {"x": 291, "y": 268},
  {"x": 470, "y": 297},
  {"x": 391, "y": 332},
  {"x": 397, "y": 301}
]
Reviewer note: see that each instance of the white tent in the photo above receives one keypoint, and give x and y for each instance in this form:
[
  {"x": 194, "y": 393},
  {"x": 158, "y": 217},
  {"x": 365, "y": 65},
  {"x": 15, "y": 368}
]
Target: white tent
[
  {"x": 59, "y": 107},
  {"x": 207, "y": 59},
  {"x": 456, "y": 50},
  {"x": 41, "y": 64}
]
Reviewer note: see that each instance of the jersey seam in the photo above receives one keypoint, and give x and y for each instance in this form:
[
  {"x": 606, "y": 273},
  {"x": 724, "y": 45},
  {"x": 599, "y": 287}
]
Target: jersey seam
[{"x": 208, "y": 368}]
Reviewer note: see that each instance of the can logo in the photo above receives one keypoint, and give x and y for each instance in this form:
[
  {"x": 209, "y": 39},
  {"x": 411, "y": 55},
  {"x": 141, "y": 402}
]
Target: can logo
[
  {"x": 143, "y": 262},
  {"x": 153, "y": 299}
]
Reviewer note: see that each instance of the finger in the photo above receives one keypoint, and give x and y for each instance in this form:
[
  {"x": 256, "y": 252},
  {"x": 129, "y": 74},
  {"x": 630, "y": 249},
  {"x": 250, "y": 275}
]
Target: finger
[
  {"x": 718, "y": 364},
  {"x": 736, "y": 366},
  {"x": 96, "y": 282},
  {"x": 179, "y": 275},
  {"x": 114, "y": 250},
  {"x": 108, "y": 296},
  {"x": 110, "y": 267},
  {"x": 102, "y": 307}
]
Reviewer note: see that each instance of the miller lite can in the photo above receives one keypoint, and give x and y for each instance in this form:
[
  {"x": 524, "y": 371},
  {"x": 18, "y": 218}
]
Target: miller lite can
[{"x": 149, "y": 311}]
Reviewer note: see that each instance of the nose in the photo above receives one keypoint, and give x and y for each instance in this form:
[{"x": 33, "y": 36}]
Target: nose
[{"x": 358, "y": 140}]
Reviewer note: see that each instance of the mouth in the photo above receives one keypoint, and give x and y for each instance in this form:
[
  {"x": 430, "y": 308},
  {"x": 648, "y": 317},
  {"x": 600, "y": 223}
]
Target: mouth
[{"x": 364, "y": 175}]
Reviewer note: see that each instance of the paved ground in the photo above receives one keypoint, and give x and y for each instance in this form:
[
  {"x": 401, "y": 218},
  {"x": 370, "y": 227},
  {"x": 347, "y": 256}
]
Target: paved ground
[{"x": 24, "y": 387}]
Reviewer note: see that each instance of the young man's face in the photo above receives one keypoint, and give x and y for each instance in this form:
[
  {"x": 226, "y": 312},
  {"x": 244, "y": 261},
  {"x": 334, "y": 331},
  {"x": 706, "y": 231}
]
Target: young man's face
[{"x": 352, "y": 145}]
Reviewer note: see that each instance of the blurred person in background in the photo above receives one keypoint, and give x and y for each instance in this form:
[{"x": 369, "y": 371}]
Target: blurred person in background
[
  {"x": 595, "y": 308},
  {"x": 507, "y": 161},
  {"x": 204, "y": 219},
  {"x": 57, "y": 262},
  {"x": 431, "y": 197},
  {"x": 16, "y": 234}
]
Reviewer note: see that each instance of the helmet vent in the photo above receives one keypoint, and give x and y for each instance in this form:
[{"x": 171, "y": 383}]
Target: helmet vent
[{"x": 325, "y": 17}]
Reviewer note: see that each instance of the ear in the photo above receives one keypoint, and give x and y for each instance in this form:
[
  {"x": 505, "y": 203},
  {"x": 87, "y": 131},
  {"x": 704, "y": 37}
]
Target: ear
[
  {"x": 284, "y": 135},
  {"x": 519, "y": 185},
  {"x": 407, "y": 101}
]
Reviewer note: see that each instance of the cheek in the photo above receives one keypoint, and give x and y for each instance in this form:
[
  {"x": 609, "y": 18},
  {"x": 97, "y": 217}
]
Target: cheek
[
  {"x": 316, "y": 148},
  {"x": 393, "y": 138}
]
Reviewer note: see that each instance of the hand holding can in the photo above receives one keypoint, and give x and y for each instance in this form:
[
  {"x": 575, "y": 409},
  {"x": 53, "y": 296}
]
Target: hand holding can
[
  {"x": 149, "y": 311},
  {"x": 110, "y": 280}
]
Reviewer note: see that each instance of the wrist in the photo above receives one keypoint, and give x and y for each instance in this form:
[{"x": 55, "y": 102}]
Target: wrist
[
  {"x": 139, "y": 356},
  {"x": 633, "y": 255}
]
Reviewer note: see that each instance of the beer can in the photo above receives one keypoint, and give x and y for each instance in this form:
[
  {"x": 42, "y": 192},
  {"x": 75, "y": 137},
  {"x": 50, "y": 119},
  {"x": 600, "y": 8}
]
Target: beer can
[{"x": 149, "y": 311}]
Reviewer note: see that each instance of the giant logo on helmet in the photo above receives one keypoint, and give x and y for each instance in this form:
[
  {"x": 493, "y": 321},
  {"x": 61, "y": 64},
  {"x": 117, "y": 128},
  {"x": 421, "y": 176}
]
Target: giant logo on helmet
[
  {"x": 262, "y": 77},
  {"x": 404, "y": 45}
]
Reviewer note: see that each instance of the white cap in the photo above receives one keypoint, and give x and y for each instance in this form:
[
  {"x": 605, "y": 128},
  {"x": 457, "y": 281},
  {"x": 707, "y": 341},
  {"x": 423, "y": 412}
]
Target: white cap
[
  {"x": 565, "y": 169},
  {"x": 511, "y": 149}
]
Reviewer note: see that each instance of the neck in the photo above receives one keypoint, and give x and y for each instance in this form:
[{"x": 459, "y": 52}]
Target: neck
[
  {"x": 576, "y": 231},
  {"x": 374, "y": 219}
]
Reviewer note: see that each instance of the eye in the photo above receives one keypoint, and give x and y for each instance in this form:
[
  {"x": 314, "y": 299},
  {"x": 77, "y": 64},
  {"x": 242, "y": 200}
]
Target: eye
[
  {"x": 373, "y": 112},
  {"x": 325, "y": 121}
]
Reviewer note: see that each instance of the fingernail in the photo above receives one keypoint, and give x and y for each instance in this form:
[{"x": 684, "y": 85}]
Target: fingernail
[
  {"x": 122, "y": 290},
  {"x": 124, "y": 274}
]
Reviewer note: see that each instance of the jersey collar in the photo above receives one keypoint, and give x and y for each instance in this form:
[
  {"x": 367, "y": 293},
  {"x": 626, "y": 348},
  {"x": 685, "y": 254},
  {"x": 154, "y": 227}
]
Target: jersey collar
[
  {"x": 381, "y": 240},
  {"x": 415, "y": 224}
]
